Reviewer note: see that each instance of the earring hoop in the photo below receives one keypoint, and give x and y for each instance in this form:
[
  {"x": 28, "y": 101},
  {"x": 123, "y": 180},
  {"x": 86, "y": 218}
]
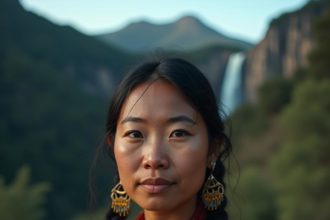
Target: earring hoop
[
  {"x": 120, "y": 200},
  {"x": 213, "y": 192}
]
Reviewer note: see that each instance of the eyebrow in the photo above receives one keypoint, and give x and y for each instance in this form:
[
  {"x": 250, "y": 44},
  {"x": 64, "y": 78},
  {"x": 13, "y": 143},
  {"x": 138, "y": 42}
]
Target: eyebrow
[
  {"x": 175, "y": 119},
  {"x": 181, "y": 118},
  {"x": 132, "y": 119}
]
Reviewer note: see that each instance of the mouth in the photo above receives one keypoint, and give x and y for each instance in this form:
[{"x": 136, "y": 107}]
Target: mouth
[{"x": 156, "y": 185}]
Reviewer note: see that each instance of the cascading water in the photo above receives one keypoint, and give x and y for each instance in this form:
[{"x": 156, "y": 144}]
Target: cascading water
[{"x": 230, "y": 95}]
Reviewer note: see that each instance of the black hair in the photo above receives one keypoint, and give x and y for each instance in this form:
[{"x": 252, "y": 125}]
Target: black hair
[{"x": 190, "y": 81}]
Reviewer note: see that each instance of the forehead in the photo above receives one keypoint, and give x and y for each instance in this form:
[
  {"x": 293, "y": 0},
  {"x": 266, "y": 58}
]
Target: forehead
[{"x": 156, "y": 98}]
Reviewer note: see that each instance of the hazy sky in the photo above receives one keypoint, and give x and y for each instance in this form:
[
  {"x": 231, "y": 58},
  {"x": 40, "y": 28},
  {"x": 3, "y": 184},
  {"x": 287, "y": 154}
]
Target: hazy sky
[{"x": 246, "y": 19}]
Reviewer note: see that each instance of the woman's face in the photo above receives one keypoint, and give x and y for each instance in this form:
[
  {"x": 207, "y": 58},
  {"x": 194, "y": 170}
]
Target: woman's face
[{"x": 161, "y": 148}]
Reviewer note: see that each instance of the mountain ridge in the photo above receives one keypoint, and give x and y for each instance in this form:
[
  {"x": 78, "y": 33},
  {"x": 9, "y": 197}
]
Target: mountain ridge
[{"x": 186, "y": 33}]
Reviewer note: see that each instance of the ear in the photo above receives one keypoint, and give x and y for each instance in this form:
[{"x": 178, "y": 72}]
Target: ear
[
  {"x": 110, "y": 140},
  {"x": 214, "y": 150}
]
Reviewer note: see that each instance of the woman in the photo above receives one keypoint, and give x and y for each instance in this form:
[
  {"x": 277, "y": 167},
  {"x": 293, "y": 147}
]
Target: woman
[{"x": 168, "y": 142}]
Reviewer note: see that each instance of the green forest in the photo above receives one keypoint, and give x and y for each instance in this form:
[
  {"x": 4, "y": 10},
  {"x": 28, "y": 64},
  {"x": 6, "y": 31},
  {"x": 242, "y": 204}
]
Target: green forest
[
  {"x": 52, "y": 126},
  {"x": 281, "y": 144}
]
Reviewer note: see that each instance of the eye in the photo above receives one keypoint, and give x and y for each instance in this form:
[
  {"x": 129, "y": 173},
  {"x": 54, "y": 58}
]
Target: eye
[
  {"x": 133, "y": 134},
  {"x": 180, "y": 134}
]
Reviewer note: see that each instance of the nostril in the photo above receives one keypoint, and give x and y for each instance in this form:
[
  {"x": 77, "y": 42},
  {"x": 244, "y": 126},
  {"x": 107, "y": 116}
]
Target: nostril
[
  {"x": 155, "y": 164},
  {"x": 156, "y": 157},
  {"x": 146, "y": 166}
]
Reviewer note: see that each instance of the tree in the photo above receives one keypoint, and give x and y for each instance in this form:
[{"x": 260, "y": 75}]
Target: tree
[
  {"x": 20, "y": 200},
  {"x": 319, "y": 58},
  {"x": 257, "y": 196},
  {"x": 274, "y": 95},
  {"x": 302, "y": 164}
]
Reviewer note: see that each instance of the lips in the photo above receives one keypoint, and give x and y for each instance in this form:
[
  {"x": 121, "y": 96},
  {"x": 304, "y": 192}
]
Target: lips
[{"x": 155, "y": 185}]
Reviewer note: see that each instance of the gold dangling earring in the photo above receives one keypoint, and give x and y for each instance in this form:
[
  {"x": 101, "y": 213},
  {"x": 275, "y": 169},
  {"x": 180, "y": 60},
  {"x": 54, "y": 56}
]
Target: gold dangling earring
[
  {"x": 120, "y": 200},
  {"x": 213, "y": 192}
]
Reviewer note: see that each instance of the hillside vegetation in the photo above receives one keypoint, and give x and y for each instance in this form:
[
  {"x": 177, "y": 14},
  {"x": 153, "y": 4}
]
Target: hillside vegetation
[
  {"x": 282, "y": 144},
  {"x": 52, "y": 114}
]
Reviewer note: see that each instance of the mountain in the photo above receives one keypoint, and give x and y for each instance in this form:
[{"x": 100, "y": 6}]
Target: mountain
[
  {"x": 188, "y": 33},
  {"x": 87, "y": 61},
  {"x": 53, "y": 85},
  {"x": 284, "y": 49}
]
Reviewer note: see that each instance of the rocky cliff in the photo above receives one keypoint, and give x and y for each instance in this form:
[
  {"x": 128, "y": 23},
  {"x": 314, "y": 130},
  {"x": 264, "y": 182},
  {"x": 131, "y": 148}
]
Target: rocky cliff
[
  {"x": 213, "y": 66},
  {"x": 212, "y": 61},
  {"x": 283, "y": 50}
]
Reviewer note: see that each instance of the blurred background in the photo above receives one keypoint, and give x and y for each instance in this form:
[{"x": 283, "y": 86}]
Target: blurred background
[{"x": 268, "y": 63}]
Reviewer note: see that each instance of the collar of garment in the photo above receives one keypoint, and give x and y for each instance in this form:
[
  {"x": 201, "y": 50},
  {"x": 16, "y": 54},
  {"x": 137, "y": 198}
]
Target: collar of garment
[{"x": 199, "y": 214}]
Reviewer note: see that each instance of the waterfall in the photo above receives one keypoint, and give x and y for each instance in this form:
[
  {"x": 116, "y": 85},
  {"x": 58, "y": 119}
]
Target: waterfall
[{"x": 231, "y": 89}]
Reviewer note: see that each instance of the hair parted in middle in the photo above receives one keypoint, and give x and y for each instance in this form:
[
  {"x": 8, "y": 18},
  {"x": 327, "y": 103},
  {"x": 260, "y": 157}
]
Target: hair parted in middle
[{"x": 191, "y": 82}]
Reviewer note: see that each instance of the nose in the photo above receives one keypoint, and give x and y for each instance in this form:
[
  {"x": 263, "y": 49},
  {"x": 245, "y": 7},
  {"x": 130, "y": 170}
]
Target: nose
[{"x": 156, "y": 156}]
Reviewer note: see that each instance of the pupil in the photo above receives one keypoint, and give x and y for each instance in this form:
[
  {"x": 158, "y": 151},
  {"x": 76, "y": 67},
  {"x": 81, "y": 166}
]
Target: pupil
[{"x": 179, "y": 133}]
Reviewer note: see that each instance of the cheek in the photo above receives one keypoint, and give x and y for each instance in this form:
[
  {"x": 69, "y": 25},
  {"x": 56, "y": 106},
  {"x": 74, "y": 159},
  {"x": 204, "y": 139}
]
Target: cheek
[
  {"x": 126, "y": 161},
  {"x": 192, "y": 175},
  {"x": 192, "y": 164}
]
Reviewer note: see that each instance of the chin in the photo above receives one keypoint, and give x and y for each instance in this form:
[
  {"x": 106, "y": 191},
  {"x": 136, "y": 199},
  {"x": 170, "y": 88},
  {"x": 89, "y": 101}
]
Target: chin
[{"x": 155, "y": 204}]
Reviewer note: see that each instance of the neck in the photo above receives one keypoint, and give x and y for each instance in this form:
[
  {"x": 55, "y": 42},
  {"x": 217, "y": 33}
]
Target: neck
[{"x": 184, "y": 212}]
